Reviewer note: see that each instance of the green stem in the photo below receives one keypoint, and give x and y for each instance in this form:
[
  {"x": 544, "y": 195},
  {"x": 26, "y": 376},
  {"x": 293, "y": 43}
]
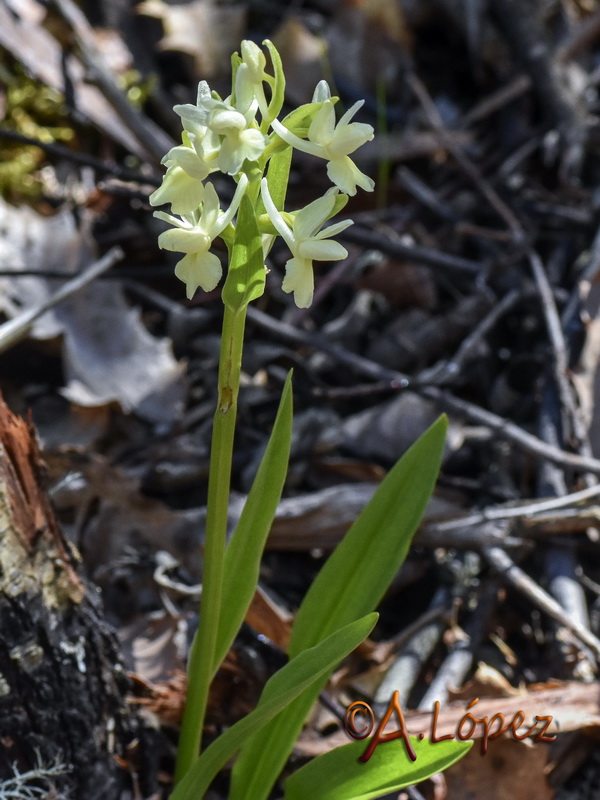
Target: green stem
[{"x": 201, "y": 667}]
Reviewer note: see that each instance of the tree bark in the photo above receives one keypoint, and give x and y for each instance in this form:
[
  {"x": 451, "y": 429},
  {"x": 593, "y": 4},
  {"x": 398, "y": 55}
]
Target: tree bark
[{"x": 62, "y": 681}]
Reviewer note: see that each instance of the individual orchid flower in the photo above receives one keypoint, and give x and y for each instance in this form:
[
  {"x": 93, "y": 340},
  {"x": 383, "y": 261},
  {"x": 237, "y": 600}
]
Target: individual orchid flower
[
  {"x": 187, "y": 167},
  {"x": 307, "y": 242},
  {"x": 193, "y": 235},
  {"x": 333, "y": 142},
  {"x": 249, "y": 78},
  {"x": 240, "y": 138}
]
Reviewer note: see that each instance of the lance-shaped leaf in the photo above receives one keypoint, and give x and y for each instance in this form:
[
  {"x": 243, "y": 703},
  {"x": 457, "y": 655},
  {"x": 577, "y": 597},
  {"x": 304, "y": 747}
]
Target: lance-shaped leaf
[
  {"x": 279, "y": 692},
  {"x": 351, "y": 583},
  {"x": 339, "y": 775},
  {"x": 244, "y": 551}
]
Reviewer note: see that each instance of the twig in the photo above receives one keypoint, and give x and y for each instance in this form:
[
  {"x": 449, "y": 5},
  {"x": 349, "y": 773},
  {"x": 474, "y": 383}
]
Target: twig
[
  {"x": 470, "y": 170},
  {"x": 508, "y": 430},
  {"x": 501, "y": 97},
  {"x": 581, "y": 37},
  {"x": 443, "y": 372},
  {"x": 17, "y": 328},
  {"x": 517, "y": 578},
  {"x": 153, "y": 138},
  {"x": 524, "y": 510},
  {"x": 559, "y": 347},
  {"x": 425, "y": 195},
  {"x": 559, "y": 560},
  {"x": 413, "y": 252},
  {"x": 444, "y": 400},
  {"x": 525, "y": 36},
  {"x": 405, "y": 671},
  {"x": 60, "y": 151},
  {"x": 456, "y": 666}
]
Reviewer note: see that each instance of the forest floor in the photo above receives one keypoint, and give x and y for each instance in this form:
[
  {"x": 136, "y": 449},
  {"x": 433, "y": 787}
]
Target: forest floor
[{"x": 471, "y": 288}]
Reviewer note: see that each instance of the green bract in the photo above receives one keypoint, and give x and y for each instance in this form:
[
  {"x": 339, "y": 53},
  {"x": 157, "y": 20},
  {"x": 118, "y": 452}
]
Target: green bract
[{"x": 241, "y": 137}]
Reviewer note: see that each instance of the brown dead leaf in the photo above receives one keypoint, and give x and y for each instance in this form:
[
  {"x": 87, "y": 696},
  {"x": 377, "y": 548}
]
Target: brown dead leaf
[
  {"x": 572, "y": 705},
  {"x": 509, "y": 769},
  {"x": 351, "y": 469},
  {"x": 154, "y": 647},
  {"x": 270, "y": 619},
  {"x": 487, "y": 682},
  {"x": 165, "y": 699},
  {"x": 368, "y": 41},
  {"x": 124, "y": 517},
  {"x": 207, "y": 31},
  {"x": 319, "y": 519},
  {"x": 403, "y": 285},
  {"x": 108, "y": 353}
]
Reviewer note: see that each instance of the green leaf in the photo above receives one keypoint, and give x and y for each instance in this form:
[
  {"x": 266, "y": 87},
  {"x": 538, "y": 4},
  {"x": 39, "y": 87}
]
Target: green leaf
[
  {"x": 264, "y": 755},
  {"x": 243, "y": 554},
  {"x": 279, "y": 692},
  {"x": 246, "y": 276},
  {"x": 351, "y": 583},
  {"x": 338, "y": 775},
  {"x": 357, "y": 574}
]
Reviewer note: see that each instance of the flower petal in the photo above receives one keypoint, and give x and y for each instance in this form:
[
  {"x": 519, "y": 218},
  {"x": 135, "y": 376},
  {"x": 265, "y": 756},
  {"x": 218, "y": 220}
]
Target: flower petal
[
  {"x": 322, "y": 92},
  {"x": 224, "y": 219},
  {"x": 348, "y": 138},
  {"x": 345, "y": 118},
  {"x": 203, "y": 93},
  {"x": 225, "y": 119},
  {"x": 194, "y": 118},
  {"x": 184, "y": 193},
  {"x": 179, "y": 223},
  {"x": 230, "y": 159},
  {"x": 333, "y": 230},
  {"x": 299, "y": 279},
  {"x": 254, "y": 58},
  {"x": 323, "y": 125},
  {"x": 189, "y": 161},
  {"x": 244, "y": 88},
  {"x": 252, "y": 144},
  {"x": 210, "y": 209},
  {"x": 202, "y": 270},
  {"x": 322, "y": 250},
  {"x": 310, "y": 218}
]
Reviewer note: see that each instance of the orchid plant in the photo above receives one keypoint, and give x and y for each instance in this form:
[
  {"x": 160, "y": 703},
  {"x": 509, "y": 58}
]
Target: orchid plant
[{"x": 242, "y": 137}]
